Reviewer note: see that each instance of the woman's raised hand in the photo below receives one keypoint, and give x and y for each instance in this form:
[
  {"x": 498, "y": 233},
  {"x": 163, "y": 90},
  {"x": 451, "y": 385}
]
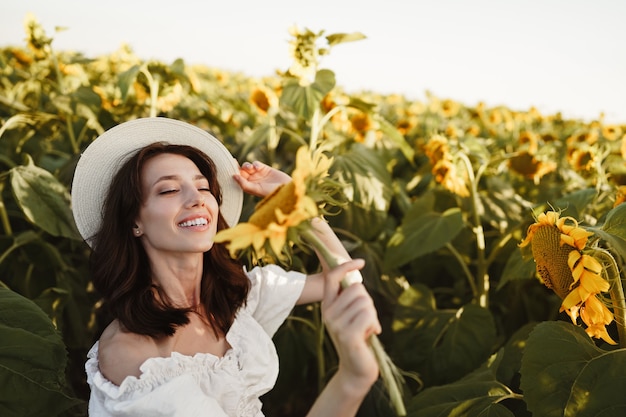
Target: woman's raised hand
[{"x": 259, "y": 179}]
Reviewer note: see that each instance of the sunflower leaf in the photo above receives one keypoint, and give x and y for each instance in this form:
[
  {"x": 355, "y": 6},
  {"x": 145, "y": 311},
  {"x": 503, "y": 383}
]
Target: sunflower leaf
[
  {"x": 305, "y": 99},
  {"x": 367, "y": 186},
  {"x": 565, "y": 374},
  {"x": 613, "y": 230},
  {"x": 126, "y": 80},
  {"x": 441, "y": 345},
  {"x": 337, "y": 38},
  {"x": 422, "y": 235},
  {"x": 44, "y": 201},
  {"x": 33, "y": 360},
  {"x": 477, "y": 394},
  {"x": 615, "y": 223}
]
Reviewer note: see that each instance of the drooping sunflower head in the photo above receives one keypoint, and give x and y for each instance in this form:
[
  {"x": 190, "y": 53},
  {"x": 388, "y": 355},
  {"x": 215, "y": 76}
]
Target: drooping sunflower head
[
  {"x": 529, "y": 140},
  {"x": 530, "y": 166},
  {"x": 278, "y": 214},
  {"x": 437, "y": 148},
  {"x": 305, "y": 54},
  {"x": 558, "y": 245},
  {"x": 37, "y": 40},
  {"x": 264, "y": 98}
]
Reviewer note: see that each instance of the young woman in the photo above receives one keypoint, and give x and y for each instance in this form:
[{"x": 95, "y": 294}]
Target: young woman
[{"x": 191, "y": 330}]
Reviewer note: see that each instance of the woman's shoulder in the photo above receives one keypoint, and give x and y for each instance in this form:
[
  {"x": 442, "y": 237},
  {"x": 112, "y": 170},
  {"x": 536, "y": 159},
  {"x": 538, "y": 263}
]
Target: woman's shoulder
[{"x": 121, "y": 353}]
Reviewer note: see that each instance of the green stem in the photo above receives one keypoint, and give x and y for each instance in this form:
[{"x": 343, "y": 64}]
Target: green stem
[
  {"x": 61, "y": 90},
  {"x": 468, "y": 273},
  {"x": 4, "y": 216},
  {"x": 616, "y": 291},
  {"x": 321, "y": 364},
  {"x": 315, "y": 129},
  {"x": 72, "y": 135},
  {"x": 388, "y": 371},
  {"x": 481, "y": 265},
  {"x": 154, "y": 90}
]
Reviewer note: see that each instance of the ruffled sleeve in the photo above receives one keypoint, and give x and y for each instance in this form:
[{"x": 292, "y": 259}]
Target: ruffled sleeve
[
  {"x": 273, "y": 295},
  {"x": 167, "y": 387}
]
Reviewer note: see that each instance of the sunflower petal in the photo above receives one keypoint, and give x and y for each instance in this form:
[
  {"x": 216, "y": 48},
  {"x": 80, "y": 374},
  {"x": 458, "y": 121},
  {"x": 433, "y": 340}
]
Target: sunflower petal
[
  {"x": 572, "y": 300},
  {"x": 599, "y": 331},
  {"x": 594, "y": 283}
]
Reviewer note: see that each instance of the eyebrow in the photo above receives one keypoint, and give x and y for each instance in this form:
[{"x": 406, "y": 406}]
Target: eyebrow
[{"x": 176, "y": 177}]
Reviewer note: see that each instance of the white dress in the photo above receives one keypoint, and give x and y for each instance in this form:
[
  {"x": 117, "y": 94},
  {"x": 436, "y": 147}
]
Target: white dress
[{"x": 204, "y": 384}]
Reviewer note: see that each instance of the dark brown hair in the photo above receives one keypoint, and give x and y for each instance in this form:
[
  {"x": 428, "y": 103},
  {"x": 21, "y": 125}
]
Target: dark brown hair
[{"x": 121, "y": 268}]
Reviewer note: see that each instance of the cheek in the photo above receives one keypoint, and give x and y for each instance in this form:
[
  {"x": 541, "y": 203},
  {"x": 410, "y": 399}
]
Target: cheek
[{"x": 150, "y": 213}]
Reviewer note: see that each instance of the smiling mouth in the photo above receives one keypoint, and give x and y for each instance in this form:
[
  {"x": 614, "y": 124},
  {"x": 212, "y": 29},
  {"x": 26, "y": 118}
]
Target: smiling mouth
[{"x": 195, "y": 222}]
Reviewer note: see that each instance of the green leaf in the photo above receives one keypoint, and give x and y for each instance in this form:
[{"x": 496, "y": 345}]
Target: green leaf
[
  {"x": 367, "y": 186},
  {"x": 126, "y": 80},
  {"x": 575, "y": 203},
  {"x": 615, "y": 222},
  {"x": 260, "y": 134},
  {"x": 613, "y": 230},
  {"x": 395, "y": 136},
  {"x": 443, "y": 345},
  {"x": 516, "y": 268},
  {"x": 337, "y": 38},
  {"x": 32, "y": 360},
  {"x": 565, "y": 374},
  {"x": 43, "y": 199},
  {"x": 304, "y": 100},
  {"x": 422, "y": 235},
  {"x": 477, "y": 394}
]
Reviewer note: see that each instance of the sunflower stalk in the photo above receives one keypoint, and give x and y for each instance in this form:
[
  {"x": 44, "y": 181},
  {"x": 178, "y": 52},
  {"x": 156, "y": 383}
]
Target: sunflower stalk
[
  {"x": 482, "y": 274},
  {"x": 390, "y": 375}
]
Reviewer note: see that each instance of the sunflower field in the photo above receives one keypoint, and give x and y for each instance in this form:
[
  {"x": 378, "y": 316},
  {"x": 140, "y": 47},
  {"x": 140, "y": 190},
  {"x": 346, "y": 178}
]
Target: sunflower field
[{"x": 494, "y": 239}]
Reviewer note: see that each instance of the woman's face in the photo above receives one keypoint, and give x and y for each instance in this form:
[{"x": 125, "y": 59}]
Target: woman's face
[{"x": 179, "y": 213}]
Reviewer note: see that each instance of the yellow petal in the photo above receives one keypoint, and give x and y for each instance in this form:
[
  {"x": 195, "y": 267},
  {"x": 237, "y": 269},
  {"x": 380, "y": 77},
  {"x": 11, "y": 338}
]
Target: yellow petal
[
  {"x": 277, "y": 237},
  {"x": 572, "y": 313},
  {"x": 594, "y": 283},
  {"x": 240, "y": 237},
  {"x": 572, "y": 300},
  {"x": 577, "y": 272},
  {"x": 599, "y": 331},
  {"x": 596, "y": 312},
  {"x": 573, "y": 258},
  {"x": 592, "y": 264}
]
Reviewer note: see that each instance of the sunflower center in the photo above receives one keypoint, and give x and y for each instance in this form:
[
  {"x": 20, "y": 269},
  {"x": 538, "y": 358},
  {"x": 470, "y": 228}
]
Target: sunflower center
[
  {"x": 283, "y": 198},
  {"x": 551, "y": 258}
]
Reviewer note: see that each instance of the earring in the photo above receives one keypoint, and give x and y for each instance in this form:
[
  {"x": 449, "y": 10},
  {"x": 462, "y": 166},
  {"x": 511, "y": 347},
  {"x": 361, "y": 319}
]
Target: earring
[{"x": 137, "y": 231}]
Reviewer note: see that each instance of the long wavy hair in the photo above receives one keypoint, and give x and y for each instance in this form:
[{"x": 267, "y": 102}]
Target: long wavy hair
[{"x": 121, "y": 269}]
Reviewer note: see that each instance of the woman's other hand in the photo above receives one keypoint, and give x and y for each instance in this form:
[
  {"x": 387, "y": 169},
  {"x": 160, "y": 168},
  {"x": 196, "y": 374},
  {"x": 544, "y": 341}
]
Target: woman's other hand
[{"x": 351, "y": 318}]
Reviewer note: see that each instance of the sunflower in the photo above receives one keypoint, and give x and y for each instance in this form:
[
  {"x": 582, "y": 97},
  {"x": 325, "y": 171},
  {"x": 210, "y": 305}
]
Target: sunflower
[
  {"x": 264, "y": 98},
  {"x": 530, "y": 167},
  {"x": 581, "y": 158},
  {"x": 444, "y": 169},
  {"x": 279, "y": 212},
  {"x": 558, "y": 245}
]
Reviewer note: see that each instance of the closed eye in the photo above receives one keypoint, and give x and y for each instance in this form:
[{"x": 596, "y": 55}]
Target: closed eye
[{"x": 168, "y": 192}]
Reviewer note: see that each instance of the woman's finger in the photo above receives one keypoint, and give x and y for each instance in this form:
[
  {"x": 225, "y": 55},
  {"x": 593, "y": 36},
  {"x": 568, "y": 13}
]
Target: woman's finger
[{"x": 332, "y": 283}]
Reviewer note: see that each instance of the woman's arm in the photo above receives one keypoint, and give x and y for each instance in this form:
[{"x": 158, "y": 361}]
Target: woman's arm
[
  {"x": 314, "y": 288},
  {"x": 351, "y": 319}
]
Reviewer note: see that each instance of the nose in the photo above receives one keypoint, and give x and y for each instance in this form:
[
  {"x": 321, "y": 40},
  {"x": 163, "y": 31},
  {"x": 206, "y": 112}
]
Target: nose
[{"x": 196, "y": 199}]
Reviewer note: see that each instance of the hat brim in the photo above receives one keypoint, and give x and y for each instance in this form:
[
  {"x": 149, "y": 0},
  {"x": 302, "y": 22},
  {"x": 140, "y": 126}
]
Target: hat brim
[{"x": 102, "y": 159}]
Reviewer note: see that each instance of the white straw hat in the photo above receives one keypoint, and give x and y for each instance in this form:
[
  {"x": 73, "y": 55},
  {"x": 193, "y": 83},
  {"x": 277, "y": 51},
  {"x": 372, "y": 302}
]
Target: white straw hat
[{"x": 102, "y": 159}]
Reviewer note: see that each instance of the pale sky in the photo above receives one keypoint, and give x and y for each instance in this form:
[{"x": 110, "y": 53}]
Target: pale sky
[{"x": 556, "y": 55}]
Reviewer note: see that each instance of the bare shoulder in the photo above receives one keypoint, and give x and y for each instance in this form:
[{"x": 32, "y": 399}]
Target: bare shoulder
[{"x": 121, "y": 353}]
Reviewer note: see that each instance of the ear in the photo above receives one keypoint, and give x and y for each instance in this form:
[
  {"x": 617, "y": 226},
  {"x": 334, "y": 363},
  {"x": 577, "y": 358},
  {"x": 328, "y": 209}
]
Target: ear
[{"x": 137, "y": 230}]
